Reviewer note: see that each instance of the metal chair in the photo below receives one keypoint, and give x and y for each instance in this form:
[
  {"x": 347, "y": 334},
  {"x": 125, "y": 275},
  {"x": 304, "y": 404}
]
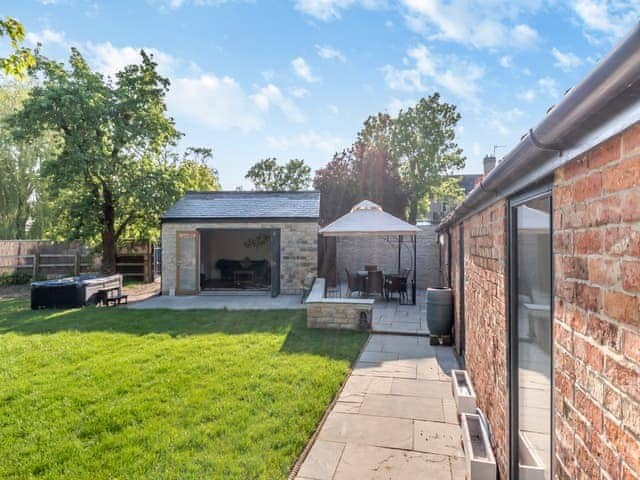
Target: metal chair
[{"x": 354, "y": 283}]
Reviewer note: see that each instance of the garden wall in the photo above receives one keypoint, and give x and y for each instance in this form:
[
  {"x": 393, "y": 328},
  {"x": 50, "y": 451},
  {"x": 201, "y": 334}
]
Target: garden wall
[{"x": 355, "y": 252}]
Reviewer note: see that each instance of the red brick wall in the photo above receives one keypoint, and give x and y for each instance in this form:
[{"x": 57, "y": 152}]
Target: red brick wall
[
  {"x": 597, "y": 311},
  {"x": 485, "y": 319},
  {"x": 455, "y": 284}
]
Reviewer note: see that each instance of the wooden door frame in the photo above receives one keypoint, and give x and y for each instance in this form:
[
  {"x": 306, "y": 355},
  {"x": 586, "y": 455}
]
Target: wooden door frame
[{"x": 196, "y": 236}]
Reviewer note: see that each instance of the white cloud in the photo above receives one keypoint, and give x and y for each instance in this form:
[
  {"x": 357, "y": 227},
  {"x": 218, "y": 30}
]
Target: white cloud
[
  {"x": 300, "y": 144},
  {"x": 302, "y": 70},
  {"x": 396, "y": 104},
  {"x": 506, "y": 61},
  {"x": 216, "y": 102},
  {"x": 527, "y": 95},
  {"x": 271, "y": 96},
  {"x": 549, "y": 87},
  {"x": 524, "y": 36},
  {"x": 108, "y": 59},
  {"x": 491, "y": 24},
  {"x": 175, "y": 4},
  {"x": 327, "y": 10},
  {"x": 566, "y": 61},
  {"x": 299, "y": 92},
  {"x": 613, "y": 19},
  {"x": 460, "y": 77},
  {"x": 333, "y": 109},
  {"x": 47, "y": 37},
  {"x": 330, "y": 53}
]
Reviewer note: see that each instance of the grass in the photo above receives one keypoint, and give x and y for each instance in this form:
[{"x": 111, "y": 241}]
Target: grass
[{"x": 116, "y": 393}]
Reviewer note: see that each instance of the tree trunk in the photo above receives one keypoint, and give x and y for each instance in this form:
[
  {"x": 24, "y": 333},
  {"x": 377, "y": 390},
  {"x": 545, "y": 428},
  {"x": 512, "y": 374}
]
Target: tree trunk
[
  {"x": 108, "y": 235},
  {"x": 413, "y": 210}
]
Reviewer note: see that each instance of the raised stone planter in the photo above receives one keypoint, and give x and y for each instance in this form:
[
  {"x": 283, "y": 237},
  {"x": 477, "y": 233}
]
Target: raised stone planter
[
  {"x": 340, "y": 313},
  {"x": 478, "y": 454},
  {"x": 531, "y": 467},
  {"x": 463, "y": 392}
]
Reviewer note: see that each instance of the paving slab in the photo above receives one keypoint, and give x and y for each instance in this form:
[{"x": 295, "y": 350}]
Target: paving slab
[
  {"x": 395, "y": 417},
  {"x": 378, "y": 431},
  {"x": 403, "y": 407},
  {"x": 367, "y": 462},
  {"x": 322, "y": 460},
  {"x": 439, "y": 438},
  {"x": 422, "y": 388}
]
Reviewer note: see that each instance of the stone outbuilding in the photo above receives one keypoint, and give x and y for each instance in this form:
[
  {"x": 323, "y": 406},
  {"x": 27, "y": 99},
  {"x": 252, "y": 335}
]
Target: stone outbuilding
[{"x": 240, "y": 241}]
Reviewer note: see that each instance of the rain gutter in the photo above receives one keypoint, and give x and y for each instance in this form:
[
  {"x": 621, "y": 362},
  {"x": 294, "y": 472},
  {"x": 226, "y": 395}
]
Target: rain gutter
[{"x": 603, "y": 104}]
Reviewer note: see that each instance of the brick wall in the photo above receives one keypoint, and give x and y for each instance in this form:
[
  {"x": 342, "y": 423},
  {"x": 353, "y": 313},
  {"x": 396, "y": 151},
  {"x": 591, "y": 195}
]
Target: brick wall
[
  {"x": 355, "y": 252},
  {"x": 485, "y": 319},
  {"x": 298, "y": 250},
  {"x": 597, "y": 311},
  {"x": 596, "y": 251}
]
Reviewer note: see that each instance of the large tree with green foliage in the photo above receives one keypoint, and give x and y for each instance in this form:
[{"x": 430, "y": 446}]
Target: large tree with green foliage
[
  {"x": 21, "y": 58},
  {"x": 362, "y": 172},
  {"x": 267, "y": 174},
  {"x": 108, "y": 175},
  {"x": 24, "y": 209},
  {"x": 423, "y": 140}
]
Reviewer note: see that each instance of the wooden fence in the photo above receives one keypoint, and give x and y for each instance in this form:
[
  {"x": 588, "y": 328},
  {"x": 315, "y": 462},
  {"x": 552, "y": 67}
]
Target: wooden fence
[
  {"x": 41, "y": 258},
  {"x": 47, "y": 264}
]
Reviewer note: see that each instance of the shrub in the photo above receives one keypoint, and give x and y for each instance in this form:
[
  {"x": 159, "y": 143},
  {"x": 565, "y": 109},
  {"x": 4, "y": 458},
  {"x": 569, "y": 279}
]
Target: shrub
[{"x": 16, "y": 278}]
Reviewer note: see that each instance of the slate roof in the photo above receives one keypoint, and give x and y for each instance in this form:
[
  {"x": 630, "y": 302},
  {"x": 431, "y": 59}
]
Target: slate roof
[{"x": 245, "y": 205}]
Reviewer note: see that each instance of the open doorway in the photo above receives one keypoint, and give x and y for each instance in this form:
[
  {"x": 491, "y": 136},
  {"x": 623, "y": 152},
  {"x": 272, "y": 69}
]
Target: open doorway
[{"x": 237, "y": 259}]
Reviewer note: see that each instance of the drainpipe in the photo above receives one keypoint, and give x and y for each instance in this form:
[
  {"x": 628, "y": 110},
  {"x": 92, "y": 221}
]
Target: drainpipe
[{"x": 612, "y": 88}]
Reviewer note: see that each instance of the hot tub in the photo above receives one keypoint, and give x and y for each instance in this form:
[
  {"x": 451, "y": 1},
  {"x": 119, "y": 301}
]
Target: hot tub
[{"x": 71, "y": 292}]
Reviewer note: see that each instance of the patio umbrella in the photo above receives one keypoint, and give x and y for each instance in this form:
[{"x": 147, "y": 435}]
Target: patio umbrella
[{"x": 368, "y": 219}]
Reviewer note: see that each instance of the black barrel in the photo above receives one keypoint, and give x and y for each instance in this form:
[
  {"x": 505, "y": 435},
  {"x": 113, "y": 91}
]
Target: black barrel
[{"x": 439, "y": 310}]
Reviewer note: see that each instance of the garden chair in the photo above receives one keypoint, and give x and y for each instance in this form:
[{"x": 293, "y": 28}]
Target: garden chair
[{"x": 354, "y": 283}]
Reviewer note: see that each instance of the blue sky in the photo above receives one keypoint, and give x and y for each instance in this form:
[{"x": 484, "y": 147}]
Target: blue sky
[{"x": 296, "y": 79}]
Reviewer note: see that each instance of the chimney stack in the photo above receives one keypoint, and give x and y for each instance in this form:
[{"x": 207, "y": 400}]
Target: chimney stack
[{"x": 489, "y": 162}]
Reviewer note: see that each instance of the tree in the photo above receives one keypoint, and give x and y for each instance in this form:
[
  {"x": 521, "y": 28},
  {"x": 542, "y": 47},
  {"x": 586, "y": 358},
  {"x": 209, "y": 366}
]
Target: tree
[
  {"x": 268, "y": 175},
  {"x": 108, "y": 175},
  {"x": 359, "y": 173},
  {"x": 448, "y": 191},
  {"x": 24, "y": 210},
  {"x": 423, "y": 139},
  {"x": 195, "y": 173},
  {"x": 21, "y": 59},
  {"x": 338, "y": 187}
]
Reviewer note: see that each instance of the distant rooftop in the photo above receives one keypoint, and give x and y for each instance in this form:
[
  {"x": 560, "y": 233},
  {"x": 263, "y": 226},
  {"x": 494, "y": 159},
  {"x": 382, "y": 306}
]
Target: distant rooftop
[{"x": 245, "y": 205}]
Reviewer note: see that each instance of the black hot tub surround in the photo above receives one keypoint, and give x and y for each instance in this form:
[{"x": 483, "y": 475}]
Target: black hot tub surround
[{"x": 71, "y": 292}]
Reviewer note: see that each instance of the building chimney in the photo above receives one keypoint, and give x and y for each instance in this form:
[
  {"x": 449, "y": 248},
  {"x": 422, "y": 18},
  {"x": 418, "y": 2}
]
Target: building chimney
[{"x": 489, "y": 162}]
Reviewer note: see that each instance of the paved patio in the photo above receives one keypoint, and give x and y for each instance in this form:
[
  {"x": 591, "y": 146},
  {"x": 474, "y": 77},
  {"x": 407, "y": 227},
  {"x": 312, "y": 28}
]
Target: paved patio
[
  {"x": 394, "y": 419},
  {"x": 390, "y": 317},
  {"x": 217, "y": 302}
]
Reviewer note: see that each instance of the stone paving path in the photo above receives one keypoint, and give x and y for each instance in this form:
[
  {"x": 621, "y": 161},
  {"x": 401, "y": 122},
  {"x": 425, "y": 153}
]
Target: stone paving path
[
  {"x": 394, "y": 419},
  {"x": 390, "y": 317}
]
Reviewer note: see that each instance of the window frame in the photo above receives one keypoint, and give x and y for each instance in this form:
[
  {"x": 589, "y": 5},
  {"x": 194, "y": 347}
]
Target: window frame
[{"x": 533, "y": 193}]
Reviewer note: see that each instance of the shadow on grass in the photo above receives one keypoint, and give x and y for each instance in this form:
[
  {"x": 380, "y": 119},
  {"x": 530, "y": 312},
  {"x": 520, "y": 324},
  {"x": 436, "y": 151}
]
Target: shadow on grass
[{"x": 17, "y": 317}]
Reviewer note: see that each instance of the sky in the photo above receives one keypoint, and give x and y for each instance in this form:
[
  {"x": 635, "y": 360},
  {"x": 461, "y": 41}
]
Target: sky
[{"x": 296, "y": 79}]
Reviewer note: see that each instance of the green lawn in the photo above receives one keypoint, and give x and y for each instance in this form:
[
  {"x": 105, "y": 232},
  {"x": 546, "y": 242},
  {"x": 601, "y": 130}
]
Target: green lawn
[{"x": 115, "y": 393}]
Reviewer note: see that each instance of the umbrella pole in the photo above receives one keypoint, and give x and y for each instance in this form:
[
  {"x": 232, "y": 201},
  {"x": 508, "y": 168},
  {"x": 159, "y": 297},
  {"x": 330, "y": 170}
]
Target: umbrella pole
[
  {"x": 399, "y": 252},
  {"x": 415, "y": 251}
]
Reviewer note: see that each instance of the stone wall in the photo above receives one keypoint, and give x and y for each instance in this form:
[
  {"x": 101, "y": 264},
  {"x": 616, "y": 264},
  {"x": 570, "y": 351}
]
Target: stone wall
[
  {"x": 596, "y": 245},
  {"x": 298, "y": 250},
  {"x": 339, "y": 313},
  {"x": 356, "y": 252}
]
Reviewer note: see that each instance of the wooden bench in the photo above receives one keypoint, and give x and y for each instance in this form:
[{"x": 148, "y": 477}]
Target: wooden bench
[{"x": 112, "y": 297}]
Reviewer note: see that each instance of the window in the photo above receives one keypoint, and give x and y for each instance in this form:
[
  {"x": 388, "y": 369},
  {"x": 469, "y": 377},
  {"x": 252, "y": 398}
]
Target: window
[{"x": 531, "y": 329}]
